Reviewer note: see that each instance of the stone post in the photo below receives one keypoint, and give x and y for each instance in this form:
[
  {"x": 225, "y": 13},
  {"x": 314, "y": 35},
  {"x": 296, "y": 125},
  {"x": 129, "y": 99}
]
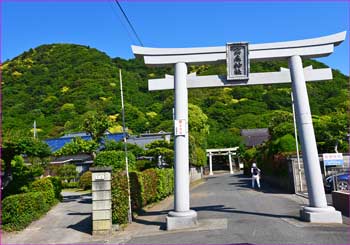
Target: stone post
[
  {"x": 318, "y": 211},
  {"x": 101, "y": 200},
  {"x": 230, "y": 161},
  {"x": 182, "y": 216},
  {"x": 210, "y": 164}
]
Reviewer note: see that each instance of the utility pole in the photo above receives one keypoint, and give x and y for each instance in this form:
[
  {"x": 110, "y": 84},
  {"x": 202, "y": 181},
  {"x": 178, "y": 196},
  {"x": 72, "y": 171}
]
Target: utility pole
[
  {"x": 125, "y": 145},
  {"x": 35, "y": 133}
]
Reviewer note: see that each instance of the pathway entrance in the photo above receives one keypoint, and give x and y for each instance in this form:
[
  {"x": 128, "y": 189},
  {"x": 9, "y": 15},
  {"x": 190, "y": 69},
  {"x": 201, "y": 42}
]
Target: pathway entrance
[{"x": 67, "y": 222}]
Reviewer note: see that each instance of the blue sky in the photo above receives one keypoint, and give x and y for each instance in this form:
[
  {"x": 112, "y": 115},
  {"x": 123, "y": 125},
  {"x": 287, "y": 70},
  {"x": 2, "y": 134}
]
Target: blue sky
[{"x": 99, "y": 24}]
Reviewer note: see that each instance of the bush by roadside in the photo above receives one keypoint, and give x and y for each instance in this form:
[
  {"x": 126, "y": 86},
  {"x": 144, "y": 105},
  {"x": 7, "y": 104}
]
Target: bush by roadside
[
  {"x": 146, "y": 187},
  {"x": 85, "y": 180},
  {"x": 20, "y": 210}
]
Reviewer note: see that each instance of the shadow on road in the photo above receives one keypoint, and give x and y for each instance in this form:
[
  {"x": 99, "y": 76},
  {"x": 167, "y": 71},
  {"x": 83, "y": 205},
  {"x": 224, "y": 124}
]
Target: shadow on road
[
  {"x": 213, "y": 208},
  {"x": 86, "y": 198},
  {"x": 162, "y": 225},
  {"x": 83, "y": 225},
  {"x": 222, "y": 208}
]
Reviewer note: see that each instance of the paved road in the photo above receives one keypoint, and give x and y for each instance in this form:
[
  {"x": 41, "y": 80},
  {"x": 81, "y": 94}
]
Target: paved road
[
  {"x": 67, "y": 222},
  {"x": 229, "y": 211}
]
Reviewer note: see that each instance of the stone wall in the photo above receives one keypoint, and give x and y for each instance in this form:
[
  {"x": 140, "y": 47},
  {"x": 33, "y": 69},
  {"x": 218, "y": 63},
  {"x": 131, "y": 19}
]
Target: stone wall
[{"x": 196, "y": 173}]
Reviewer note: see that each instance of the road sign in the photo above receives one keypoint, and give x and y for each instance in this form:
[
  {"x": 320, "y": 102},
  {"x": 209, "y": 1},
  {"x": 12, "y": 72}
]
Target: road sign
[{"x": 331, "y": 159}]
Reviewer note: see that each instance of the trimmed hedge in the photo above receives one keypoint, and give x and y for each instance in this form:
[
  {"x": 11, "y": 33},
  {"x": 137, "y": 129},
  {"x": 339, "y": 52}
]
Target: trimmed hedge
[
  {"x": 165, "y": 185},
  {"x": 146, "y": 187},
  {"x": 136, "y": 190},
  {"x": 120, "y": 199},
  {"x": 85, "y": 181},
  {"x": 45, "y": 186},
  {"x": 149, "y": 186},
  {"x": 57, "y": 186},
  {"x": 20, "y": 210}
]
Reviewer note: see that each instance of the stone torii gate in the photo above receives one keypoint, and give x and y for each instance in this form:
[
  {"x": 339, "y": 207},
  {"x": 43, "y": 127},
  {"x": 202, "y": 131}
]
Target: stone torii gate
[
  {"x": 293, "y": 51},
  {"x": 221, "y": 152}
]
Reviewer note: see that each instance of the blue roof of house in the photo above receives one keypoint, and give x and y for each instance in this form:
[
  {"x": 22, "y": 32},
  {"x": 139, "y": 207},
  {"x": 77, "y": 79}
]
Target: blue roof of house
[{"x": 58, "y": 143}]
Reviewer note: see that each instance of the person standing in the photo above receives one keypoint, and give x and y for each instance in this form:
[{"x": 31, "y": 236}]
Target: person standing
[{"x": 255, "y": 175}]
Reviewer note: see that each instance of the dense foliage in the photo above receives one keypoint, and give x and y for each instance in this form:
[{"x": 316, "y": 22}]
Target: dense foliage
[
  {"x": 60, "y": 85},
  {"x": 85, "y": 180},
  {"x": 115, "y": 159},
  {"x": 145, "y": 187},
  {"x": 20, "y": 210},
  {"x": 76, "y": 146},
  {"x": 23, "y": 176}
]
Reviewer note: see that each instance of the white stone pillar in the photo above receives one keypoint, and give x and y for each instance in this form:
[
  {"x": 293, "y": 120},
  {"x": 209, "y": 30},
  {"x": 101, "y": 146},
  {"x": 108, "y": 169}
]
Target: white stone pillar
[
  {"x": 210, "y": 164},
  {"x": 230, "y": 161},
  {"x": 182, "y": 216},
  {"x": 318, "y": 211},
  {"x": 101, "y": 200}
]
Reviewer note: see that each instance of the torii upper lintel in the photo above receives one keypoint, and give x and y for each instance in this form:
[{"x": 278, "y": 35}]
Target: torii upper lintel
[{"x": 306, "y": 48}]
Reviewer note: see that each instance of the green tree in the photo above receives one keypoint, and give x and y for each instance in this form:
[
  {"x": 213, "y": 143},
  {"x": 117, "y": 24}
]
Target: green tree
[
  {"x": 76, "y": 146},
  {"x": 115, "y": 159},
  {"x": 17, "y": 143},
  {"x": 199, "y": 130},
  {"x": 111, "y": 145},
  {"x": 96, "y": 124},
  {"x": 161, "y": 148}
]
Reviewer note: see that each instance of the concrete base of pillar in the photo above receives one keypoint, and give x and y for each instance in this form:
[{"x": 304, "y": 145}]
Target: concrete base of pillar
[
  {"x": 321, "y": 215},
  {"x": 181, "y": 220}
]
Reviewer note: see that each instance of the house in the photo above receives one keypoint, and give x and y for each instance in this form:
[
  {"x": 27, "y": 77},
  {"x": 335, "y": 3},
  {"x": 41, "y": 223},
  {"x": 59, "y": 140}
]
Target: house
[
  {"x": 58, "y": 143},
  {"x": 81, "y": 161},
  {"x": 255, "y": 137},
  {"x": 84, "y": 161},
  {"x": 147, "y": 138}
]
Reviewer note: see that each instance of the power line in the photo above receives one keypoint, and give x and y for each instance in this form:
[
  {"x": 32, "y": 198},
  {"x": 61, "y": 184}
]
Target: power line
[
  {"x": 122, "y": 22},
  {"x": 127, "y": 19}
]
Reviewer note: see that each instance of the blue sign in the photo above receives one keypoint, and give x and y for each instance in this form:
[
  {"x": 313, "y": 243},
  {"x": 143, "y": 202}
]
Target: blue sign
[{"x": 333, "y": 159}]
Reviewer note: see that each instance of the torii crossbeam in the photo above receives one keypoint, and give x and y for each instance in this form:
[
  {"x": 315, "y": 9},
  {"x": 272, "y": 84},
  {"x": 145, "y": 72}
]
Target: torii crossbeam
[{"x": 293, "y": 51}]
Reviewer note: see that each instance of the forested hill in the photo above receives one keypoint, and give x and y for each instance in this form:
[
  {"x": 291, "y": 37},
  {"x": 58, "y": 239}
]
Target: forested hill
[{"x": 57, "y": 84}]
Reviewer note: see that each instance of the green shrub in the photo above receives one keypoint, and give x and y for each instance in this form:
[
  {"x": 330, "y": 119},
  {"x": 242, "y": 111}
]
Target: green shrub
[
  {"x": 136, "y": 190},
  {"x": 20, "y": 210},
  {"x": 165, "y": 185},
  {"x": 57, "y": 186},
  {"x": 120, "y": 198},
  {"x": 67, "y": 185},
  {"x": 45, "y": 186},
  {"x": 145, "y": 187},
  {"x": 149, "y": 182},
  {"x": 144, "y": 164},
  {"x": 115, "y": 159},
  {"x": 23, "y": 175},
  {"x": 285, "y": 143},
  {"x": 85, "y": 180}
]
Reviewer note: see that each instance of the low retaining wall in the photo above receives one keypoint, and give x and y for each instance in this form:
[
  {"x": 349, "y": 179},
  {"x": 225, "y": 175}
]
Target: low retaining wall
[
  {"x": 196, "y": 173},
  {"x": 341, "y": 202}
]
